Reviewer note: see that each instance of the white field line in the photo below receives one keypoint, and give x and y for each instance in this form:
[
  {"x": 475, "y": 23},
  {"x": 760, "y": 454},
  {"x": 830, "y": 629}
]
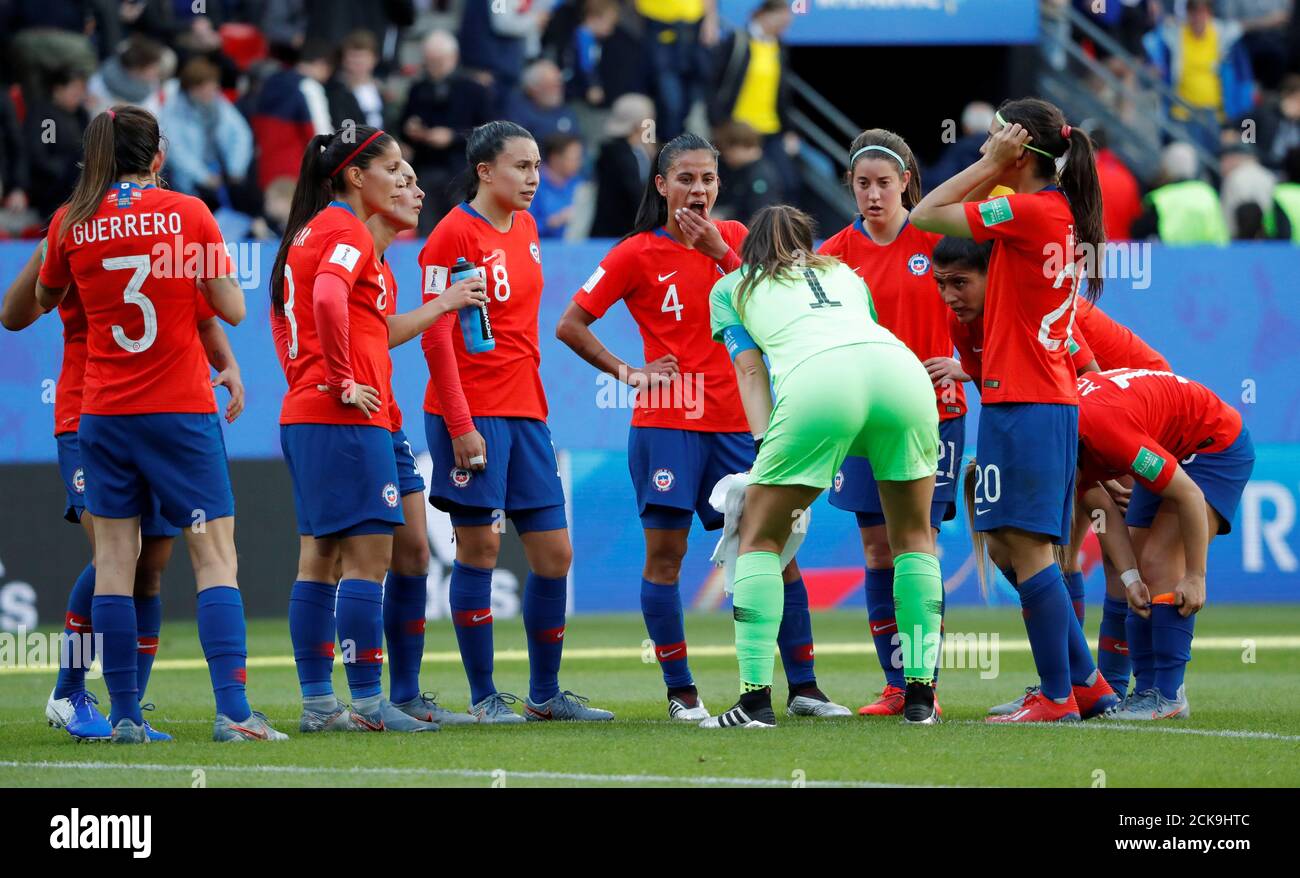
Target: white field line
[
  {"x": 1168, "y": 727},
  {"x": 954, "y": 648},
  {"x": 468, "y": 773}
]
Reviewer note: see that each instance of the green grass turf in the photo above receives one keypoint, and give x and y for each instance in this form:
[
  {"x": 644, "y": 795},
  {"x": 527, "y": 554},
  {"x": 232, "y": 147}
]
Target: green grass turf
[{"x": 643, "y": 747}]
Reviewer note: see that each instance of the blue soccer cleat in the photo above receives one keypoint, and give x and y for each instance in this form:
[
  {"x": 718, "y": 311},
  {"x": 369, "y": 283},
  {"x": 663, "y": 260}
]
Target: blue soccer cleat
[
  {"x": 128, "y": 732},
  {"x": 79, "y": 716},
  {"x": 564, "y": 707},
  {"x": 155, "y": 736}
]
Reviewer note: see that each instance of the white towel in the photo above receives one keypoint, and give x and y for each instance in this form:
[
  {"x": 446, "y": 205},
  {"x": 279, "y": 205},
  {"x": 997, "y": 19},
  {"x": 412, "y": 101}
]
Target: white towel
[{"x": 728, "y": 497}]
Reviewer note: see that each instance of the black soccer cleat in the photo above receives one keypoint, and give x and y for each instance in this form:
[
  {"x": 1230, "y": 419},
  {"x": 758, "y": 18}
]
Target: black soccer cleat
[{"x": 918, "y": 705}]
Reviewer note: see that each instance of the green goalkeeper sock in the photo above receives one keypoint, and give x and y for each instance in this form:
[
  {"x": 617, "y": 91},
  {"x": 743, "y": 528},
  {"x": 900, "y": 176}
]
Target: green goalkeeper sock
[
  {"x": 918, "y": 607},
  {"x": 757, "y": 604}
]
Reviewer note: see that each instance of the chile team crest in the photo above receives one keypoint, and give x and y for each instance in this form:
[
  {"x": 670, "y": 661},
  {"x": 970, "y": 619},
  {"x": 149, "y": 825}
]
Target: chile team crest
[
  {"x": 460, "y": 477},
  {"x": 663, "y": 480},
  {"x": 536, "y": 252},
  {"x": 79, "y": 481},
  {"x": 391, "y": 497},
  {"x": 918, "y": 264},
  {"x": 839, "y": 480}
]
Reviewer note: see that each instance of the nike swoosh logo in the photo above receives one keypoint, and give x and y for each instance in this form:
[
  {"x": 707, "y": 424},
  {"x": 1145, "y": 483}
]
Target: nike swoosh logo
[
  {"x": 977, "y": 350},
  {"x": 982, "y": 511},
  {"x": 365, "y": 722},
  {"x": 941, "y": 484},
  {"x": 538, "y": 713},
  {"x": 480, "y": 618},
  {"x": 670, "y": 653},
  {"x": 664, "y": 277},
  {"x": 883, "y": 629},
  {"x": 253, "y": 732}
]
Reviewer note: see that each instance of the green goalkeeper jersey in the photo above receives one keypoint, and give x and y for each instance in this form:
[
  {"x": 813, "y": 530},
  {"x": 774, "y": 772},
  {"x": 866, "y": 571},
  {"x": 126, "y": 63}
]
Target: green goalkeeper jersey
[{"x": 804, "y": 312}]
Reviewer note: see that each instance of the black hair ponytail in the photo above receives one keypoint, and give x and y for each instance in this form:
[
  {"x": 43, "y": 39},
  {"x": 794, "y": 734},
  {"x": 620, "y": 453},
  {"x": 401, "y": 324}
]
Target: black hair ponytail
[
  {"x": 483, "y": 145},
  {"x": 117, "y": 142}
]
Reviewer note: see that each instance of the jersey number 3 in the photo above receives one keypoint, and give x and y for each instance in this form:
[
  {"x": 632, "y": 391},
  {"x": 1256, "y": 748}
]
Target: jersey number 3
[{"x": 132, "y": 295}]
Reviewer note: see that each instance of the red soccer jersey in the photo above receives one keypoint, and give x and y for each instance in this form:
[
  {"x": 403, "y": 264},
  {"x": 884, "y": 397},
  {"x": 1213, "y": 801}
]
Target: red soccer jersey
[
  {"x": 1144, "y": 422},
  {"x": 1114, "y": 345},
  {"x": 72, "y": 374},
  {"x": 334, "y": 242},
  {"x": 390, "y": 308},
  {"x": 903, "y": 290},
  {"x": 666, "y": 288},
  {"x": 1029, "y": 302},
  {"x": 135, "y": 263},
  {"x": 968, "y": 338},
  {"x": 506, "y": 381}
]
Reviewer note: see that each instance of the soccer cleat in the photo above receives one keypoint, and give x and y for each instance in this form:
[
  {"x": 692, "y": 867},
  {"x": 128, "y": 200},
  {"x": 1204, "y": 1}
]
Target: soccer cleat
[
  {"x": 255, "y": 728},
  {"x": 920, "y": 706},
  {"x": 389, "y": 719},
  {"x": 128, "y": 732},
  {"x": 687, "y": 707},
  {"x": 1096, "y": 699},
  {"x": 740, "y": 718},
  {"x": 1038, "y": 708},
  {"x": 1012, "y": 706},
  {"x": 425, "y": 707},
  {"x": 890, "y": 703},
  {"x": 78, "y": 716},
  {"x": 811, "y": 701},
  {"x": 1151, "y": 705},
  {"x": 337, "y": 720},
  {"x": 496, "y": 709},
  {"x": 155, "y": 736},
  {"x": 564, "y": 707}
]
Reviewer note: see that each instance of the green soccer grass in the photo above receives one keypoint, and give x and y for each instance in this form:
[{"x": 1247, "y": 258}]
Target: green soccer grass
[{"x": 1244, "y": 729}]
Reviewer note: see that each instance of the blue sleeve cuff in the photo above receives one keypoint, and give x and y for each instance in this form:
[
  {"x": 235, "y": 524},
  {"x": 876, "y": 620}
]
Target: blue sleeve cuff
[{"x": 737, "y": 340}]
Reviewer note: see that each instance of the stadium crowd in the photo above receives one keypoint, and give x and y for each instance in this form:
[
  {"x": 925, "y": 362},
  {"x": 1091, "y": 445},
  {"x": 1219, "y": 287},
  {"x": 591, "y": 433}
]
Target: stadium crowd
[{"x": 241, "y": 86}]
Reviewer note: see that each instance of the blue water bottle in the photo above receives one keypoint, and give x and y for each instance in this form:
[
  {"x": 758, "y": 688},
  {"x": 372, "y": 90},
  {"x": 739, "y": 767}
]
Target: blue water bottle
[{"x": 474, "y": 323}]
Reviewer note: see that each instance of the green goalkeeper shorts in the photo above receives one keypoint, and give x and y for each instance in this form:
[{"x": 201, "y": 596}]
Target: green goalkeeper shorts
[{"x": 871, "y": 400}]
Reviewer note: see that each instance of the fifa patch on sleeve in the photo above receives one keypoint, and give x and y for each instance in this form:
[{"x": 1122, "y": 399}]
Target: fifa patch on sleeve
[
  {"x": 996, "y": 211},
  {"x": 1147, "y": 464},
  {"x": 594, "y": 279},
  {"x": 345, "y": 255},
  {"x": 435, "y": 279}
]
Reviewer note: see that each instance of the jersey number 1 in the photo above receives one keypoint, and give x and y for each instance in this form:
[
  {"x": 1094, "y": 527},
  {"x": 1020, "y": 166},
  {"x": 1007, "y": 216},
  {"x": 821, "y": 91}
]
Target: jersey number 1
[{"x": 133, "y": 296}]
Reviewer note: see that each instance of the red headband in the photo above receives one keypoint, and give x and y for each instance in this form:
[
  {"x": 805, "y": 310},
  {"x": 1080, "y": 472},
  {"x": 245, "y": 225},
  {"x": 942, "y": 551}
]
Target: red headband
[
  {"x": 369, "y": 140},
  {"x": 1065, "y": 131},
  {"x": 112, "y": 115}
]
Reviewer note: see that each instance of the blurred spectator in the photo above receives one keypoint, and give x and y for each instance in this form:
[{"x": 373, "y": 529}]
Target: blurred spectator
[
  {"x": 679, "y": 35},
  {"x": 976, "y": 119},
  {"x": 1202, "y": 59},
  {"x": 1184, "y": 209},
  {"x": 13, "y": 158},
  {"x": 133, "y": 76},
  {"x": 748, "y": 182},
  {"x": 299, "y": 22},
  {"x": 288, "y": 110},
  {"x": 83, "y": 17},
  {"x": 1277, "y": 123},
  {"x": 623, "y": 165},
  {"x": 209, "y": 145},
  {"x": 1283, "y": 219},
  {"x": 275, "y": 210},
  {"x": 52, "y": 133},
  {"x": 1121, "y": 196},
  {"x": 494, "y": 41},
  {"x": 1264, "y": 26},
  {"x": 539, "y": 103},
  {"x": 601, "y": 58},
  {"x": 200, "y": 39},
  {"x": 166, "y": 20},
  {"x": 442, "y": 107},
  {"x": 353, "y": 92},
  {"x": 749, "y": 86},
  {"x": 1246, "y": 192},
  {"x": 561, "y": 175}
]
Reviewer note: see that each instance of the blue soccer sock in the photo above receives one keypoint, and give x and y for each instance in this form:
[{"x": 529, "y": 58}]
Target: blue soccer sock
[
  {"x": 1171, "y": 642},
  {"x": 148, "y": 625},
  {"x": 795, "y": 637},
  {"x": 471, "y": 613},
  {"x": 78, "y": 648},
  {"x": 1074, "y": 585},
  {"x": 884, "y": 627},
  {"x": 545, "y": 599},
  {"x": 1112, "y": 645},
  {"x": 312, "y": 631},
  {"x": 225, "y": 645},
  {"x": 404, "y": 602},
  {"x": 661, "y": 607},
  {"x": 113, "y": 619},
  {"x": 1045, "y": 605},
  {"x": 360, "y": 612},
  {"x": 1140, "y": 652}
]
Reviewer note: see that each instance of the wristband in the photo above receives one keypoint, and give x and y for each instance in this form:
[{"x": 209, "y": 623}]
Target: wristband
[{"x": 1130, "y": 576}]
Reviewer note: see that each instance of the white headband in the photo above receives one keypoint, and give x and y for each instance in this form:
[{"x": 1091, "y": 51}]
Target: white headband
[{"x": 886, "y": 150}]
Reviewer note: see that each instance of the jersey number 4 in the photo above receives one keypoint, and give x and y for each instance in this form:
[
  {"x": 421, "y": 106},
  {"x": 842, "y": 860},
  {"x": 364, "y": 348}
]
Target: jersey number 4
[{"x": 132, "y": 295}]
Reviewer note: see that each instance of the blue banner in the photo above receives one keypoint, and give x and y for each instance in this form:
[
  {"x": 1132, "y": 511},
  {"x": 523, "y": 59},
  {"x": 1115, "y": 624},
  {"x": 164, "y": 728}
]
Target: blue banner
[{"x": 901, "y": 22}]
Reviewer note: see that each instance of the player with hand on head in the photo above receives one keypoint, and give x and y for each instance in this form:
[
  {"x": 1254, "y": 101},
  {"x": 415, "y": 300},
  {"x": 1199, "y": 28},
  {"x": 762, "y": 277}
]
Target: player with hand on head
[
  {"x": 485, "y": 420},
  {"x": 70, "y": 706},
  {"x": 843, "y": 385},
  {"x": 329, "y": 298},
  {"x": 688, "y": 428},
  {"x": 1190, "y": 457},
  {"x": 894, "y": 258},
  {"x": 1028, "y": 430},
  {"x": 149, "y": 426}
]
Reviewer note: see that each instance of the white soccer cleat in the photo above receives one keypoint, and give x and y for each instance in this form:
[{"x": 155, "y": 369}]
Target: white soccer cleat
[{"x": 686, "y": 707}]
